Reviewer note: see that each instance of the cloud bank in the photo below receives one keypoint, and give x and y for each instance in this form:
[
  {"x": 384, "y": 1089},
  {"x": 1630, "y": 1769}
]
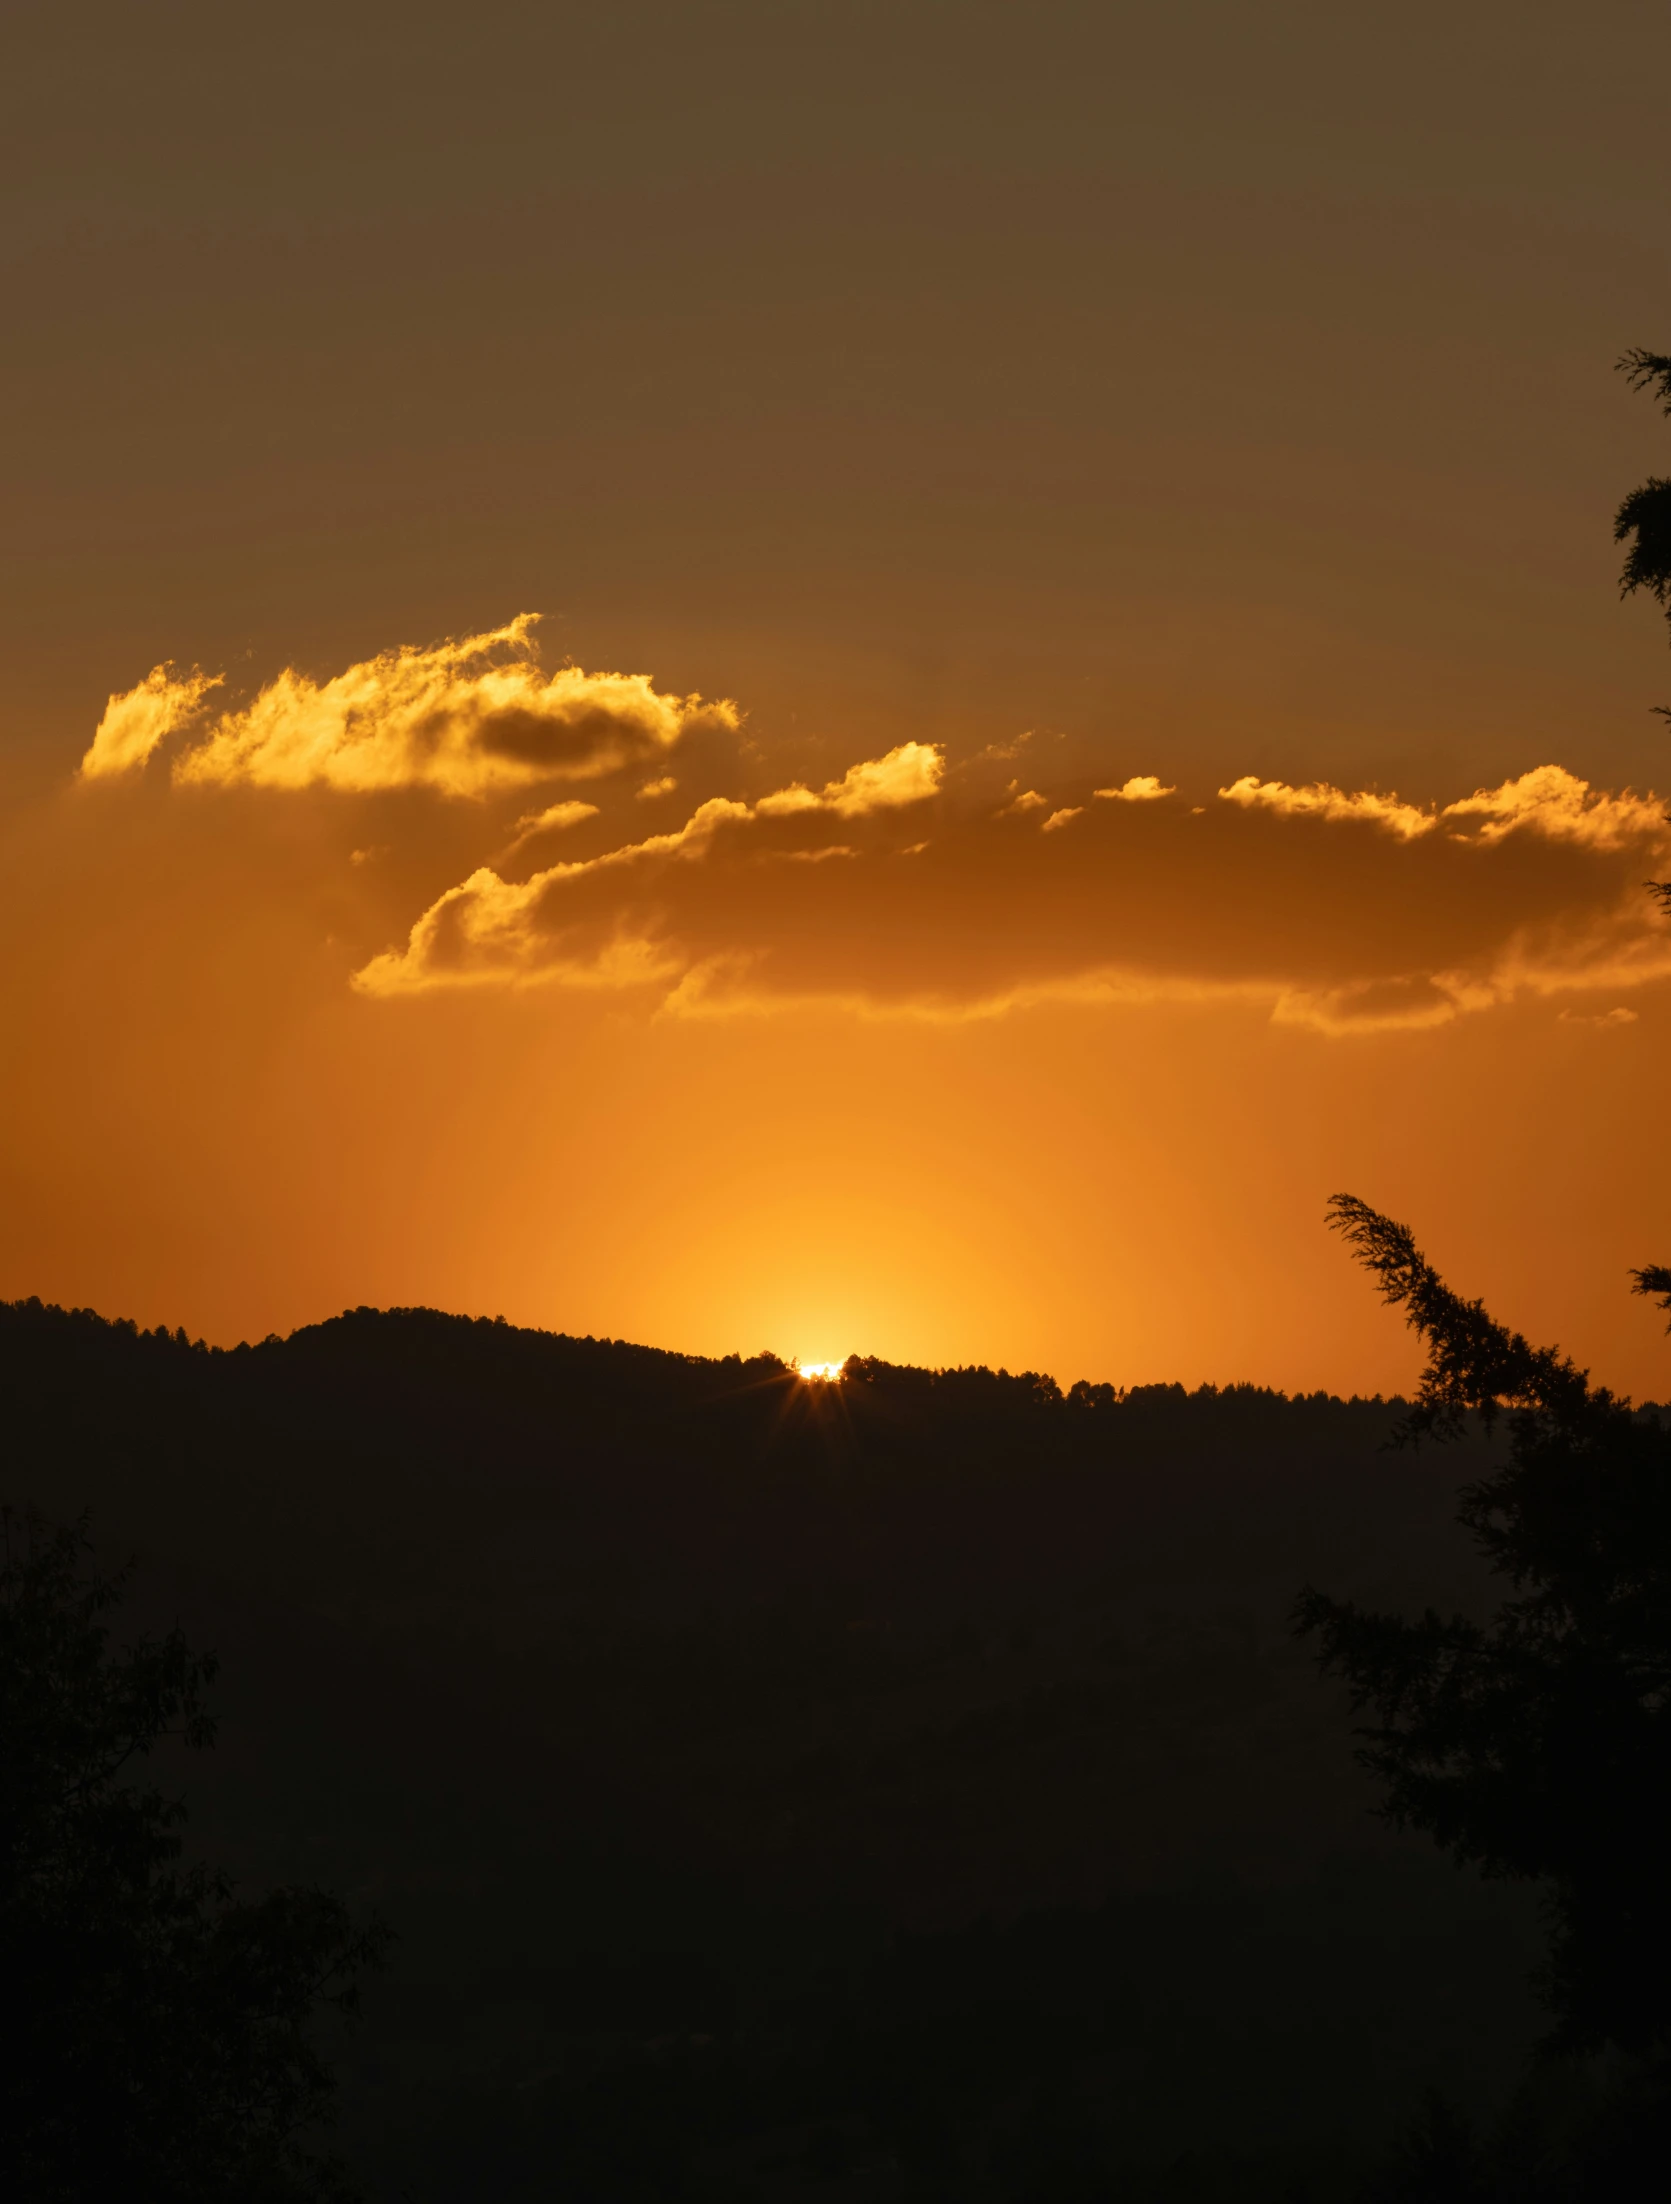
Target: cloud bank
[
  {"x": 896, "y": 888},
  {"x": 465, "y": 719},
  {"x": 1330, "y": 911}
]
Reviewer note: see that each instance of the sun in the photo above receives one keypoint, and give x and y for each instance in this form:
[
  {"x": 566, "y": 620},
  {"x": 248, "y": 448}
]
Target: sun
[{"x": 820, "y": 1373}]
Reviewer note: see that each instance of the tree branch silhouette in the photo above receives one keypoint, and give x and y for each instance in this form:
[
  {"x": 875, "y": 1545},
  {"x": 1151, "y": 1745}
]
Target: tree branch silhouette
[{"x": 1536, "y": 1744}]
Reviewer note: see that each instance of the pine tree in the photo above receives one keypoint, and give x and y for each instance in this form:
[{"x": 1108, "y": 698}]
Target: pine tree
[
  {"x": 155, "y": 2029},
  {"x": 1537, "y": 1744}
]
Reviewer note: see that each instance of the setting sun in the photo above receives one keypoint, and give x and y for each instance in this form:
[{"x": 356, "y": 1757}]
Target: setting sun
[{"x": 820, "y": 1373}]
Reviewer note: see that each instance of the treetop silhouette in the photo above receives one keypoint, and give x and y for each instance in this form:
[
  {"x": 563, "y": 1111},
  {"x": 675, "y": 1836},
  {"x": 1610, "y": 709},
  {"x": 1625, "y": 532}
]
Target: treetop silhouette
[
  {"x": 1646, "y": 513},
  {"x": 1537, "y": 1744}
]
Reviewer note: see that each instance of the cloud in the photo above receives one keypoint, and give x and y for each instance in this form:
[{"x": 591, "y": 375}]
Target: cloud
[
  {"x": 1327, "y": 914},
  {"x": 134, "y": 723},
  {"x": 466, "y": 718},
  {"x": 489, "y": 928},
  {"x": 1334, "y": 910},
  {"x": 1548, "y": 801},
  {"x": 554, "y": 819},
  {"x": 1318, "y": 800},
  {"x": 492, "y": 928},
  {"x": 1556, "y": 803},
  {"x": 1142, "y": 788},
  {"x": 907, "y": 775},
  {"x": 1003, "y": 753}
]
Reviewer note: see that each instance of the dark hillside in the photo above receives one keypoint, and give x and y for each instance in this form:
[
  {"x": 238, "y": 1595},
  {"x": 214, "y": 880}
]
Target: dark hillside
[{"x": 899, "y": 1752}]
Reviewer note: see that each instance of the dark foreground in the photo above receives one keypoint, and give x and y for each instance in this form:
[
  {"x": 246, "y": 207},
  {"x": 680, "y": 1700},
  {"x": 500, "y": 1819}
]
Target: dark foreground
[{"x": 905, "y": 1789}]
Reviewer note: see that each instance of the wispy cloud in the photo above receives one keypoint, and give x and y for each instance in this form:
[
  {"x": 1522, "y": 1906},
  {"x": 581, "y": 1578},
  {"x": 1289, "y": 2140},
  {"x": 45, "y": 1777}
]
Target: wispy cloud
[
  {"x": 554, "y": 819},
  {"x": 464, "y": 718},
  {"x": 1142, "y": 788},
  {"x": 141, "y": 718},
  {"x": 1319, "y": 801},
  {"x": 1549, "y": 801},
  {"x": 905, "y": 776}
]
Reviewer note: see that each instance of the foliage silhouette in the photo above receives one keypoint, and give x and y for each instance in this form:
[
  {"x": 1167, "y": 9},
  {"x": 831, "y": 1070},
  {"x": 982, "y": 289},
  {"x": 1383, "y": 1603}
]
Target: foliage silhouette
[
  {"x": 1537, "y": 1745},
  {"x": 156, "y": 2030},
  {"x": 1644, "y": 521},
  {"x": 1646, "y": 513}
]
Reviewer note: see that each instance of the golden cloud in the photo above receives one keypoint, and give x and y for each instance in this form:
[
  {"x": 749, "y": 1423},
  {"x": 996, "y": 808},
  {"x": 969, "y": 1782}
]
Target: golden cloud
[
  {"x": 1320, "y": 801},
  {"x": 1019, "y": 805},
  {"x": 1142, "y": 788},
  {"x": 1332, "y": 913},
  {"x": 905, "y": 776},
  {"x": 493, "y": 928},
  {"x": 1556, "y": 803},
  {"x": 896, "y": 889},
  {"x": 554, "y": 819},
  {"x": 1549, "y": 800},
  {"x": 135, "y": 722},
  {"x": 465, "y": 718}
]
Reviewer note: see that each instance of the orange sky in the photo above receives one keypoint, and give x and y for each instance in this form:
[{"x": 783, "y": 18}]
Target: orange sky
[{"x": 1078, "y": 703}]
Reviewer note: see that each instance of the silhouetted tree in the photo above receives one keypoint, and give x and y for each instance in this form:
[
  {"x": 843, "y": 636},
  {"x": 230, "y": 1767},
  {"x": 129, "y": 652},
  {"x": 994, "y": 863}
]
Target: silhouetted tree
[
  {"x": 1646, "y": 516},
  {"x": 1538, "y": 1744},
  {"x": 154, "y": 2030},
  {"x": 1646, "y": 513}
]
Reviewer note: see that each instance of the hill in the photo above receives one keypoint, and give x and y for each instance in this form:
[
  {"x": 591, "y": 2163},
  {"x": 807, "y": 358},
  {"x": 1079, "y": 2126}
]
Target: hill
[{"x": 874, "y": 1788}]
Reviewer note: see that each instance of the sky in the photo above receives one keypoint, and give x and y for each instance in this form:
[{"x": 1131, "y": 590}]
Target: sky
[{"x": 835, "y": 677}]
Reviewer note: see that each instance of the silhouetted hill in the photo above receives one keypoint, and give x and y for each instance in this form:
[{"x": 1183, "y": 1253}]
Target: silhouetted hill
[{"x": 879, "y": 1763}]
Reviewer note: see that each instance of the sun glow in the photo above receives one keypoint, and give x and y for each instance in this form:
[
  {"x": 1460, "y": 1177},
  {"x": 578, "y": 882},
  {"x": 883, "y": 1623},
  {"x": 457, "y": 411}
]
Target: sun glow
[{"x": 820, "y": 1373}]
